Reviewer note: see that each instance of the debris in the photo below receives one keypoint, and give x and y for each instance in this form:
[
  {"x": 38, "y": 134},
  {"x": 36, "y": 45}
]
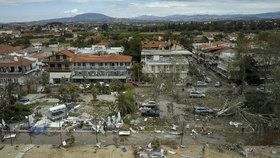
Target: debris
[
  {"x": 174, "y": 127},
  {"x": 123, "y": 149},
  {"x": 98, "y": 145},
  {"x": 135, "y": 122},
  {"x": 146, "y": 119},
  {"x": 9, "y": 136},
  {"x": 158, "y": 131},
  {"x": 149, "y": 145},
  {"x": 124, "y": 133},
  {"x": 194, "y": 131},
  {"x": 64, "y": 143},
  {"x": 171, "y": 152},
  {"x": 235, "y": 123},
  {"x": 142, "y": 128},
  {"x": 132, "y": 130},
  {"x": 175, "y": 133}
]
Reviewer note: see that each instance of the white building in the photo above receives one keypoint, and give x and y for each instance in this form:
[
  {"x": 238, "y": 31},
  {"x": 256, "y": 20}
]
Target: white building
[
  {"x": 98, "y": 49},
  {"x": 165, "y": 61}
]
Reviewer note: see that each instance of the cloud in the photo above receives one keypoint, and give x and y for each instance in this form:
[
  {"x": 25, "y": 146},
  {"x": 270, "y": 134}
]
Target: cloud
[
  {"x": 73, "y": 11},
  {"x": 21, "y": 1}
]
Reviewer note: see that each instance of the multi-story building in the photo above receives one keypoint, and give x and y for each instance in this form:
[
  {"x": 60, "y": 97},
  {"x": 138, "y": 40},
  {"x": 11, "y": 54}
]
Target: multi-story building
[
  {"x": 165, "y": 61},
  {"x": 16, "y": 69},
  {"x": 80, "y": 67}
]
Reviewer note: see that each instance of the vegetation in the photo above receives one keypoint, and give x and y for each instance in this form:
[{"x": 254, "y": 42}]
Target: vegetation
[
  {"x": 126, "y": 102},
  {"x": 69, "y": 92}
]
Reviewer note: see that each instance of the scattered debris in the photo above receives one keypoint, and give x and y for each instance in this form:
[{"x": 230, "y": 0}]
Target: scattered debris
[
  {"x": 171, "y": 152},
  {"x": 132, "y": 130},
  {"x": 124, "y": 133},
  {"x": 123, "y": 149},
  {"x": 235, "y": 123}
]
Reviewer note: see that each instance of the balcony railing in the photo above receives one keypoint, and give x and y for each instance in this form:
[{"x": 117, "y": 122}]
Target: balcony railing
[
  {"x": 57, "y": 60},
  {"x": 57, "y": 69}
]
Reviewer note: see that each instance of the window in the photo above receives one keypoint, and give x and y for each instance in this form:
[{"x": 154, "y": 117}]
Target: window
[
  {"x": 59, "y": 65},
  {"x": 66, "y": 65},
  {"x": 57, "y": 57},
  {"x": 84, "y": 64},
  {"x": 79, "y": 64},
  {"x": 153, "y": 68},
  {"x": 51, "y": 65}
]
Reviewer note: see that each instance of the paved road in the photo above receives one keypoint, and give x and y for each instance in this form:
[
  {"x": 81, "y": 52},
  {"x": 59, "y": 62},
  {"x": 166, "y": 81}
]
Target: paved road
[{"x": 141, "y": 138}]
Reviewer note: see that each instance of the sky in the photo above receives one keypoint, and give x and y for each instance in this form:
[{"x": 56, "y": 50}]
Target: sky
[{"x": 32, "y": 10}]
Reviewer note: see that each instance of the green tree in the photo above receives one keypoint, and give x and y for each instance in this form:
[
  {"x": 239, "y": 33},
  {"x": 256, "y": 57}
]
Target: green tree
[
  {"x": 94, "y": 93},
  {"x": 133, "y": 48},
  {"x": 137, "y": 74},
  {"x": 125, "y": 102},
  {"x": 116, "y": 85},
  {"x": 69, "y": 92}
]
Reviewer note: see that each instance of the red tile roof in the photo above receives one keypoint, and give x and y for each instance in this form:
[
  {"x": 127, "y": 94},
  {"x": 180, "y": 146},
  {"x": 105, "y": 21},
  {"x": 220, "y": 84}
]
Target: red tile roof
[
  {"x": 39, "y": 56},
  {"x": 14, "y": 61},
  {"x": 5, "y": 49},
  {"x": 102, "y": 58}
]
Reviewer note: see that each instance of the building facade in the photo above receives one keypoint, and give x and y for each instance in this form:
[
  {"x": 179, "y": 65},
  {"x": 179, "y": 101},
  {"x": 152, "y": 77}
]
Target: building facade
[
  {"x": 80, "y": 67},
  {"x": 165, "y": 61},
  {"x": 16, "y": 69}
]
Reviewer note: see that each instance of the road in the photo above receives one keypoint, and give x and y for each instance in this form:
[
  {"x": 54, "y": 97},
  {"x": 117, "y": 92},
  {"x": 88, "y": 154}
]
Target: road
[{"x": 141, "y": 138}]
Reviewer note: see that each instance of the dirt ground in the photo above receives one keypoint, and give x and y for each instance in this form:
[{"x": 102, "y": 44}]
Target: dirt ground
[{"x": 49, "y": 151}]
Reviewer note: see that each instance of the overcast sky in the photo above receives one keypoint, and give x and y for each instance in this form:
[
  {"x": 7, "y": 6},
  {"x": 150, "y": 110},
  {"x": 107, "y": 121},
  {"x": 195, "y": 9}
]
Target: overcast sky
[{"x": 30, "y": 10}]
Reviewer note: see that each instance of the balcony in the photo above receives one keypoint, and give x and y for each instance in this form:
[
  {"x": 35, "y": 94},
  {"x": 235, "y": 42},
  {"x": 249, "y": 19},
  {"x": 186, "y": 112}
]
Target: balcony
[
  {"x": 58, "y": 69},
  {"x": 57, "y": 60}
]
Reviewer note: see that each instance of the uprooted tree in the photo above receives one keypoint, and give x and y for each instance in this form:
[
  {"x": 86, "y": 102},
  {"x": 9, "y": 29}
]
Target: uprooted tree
[{"x": 259, "y": 107}]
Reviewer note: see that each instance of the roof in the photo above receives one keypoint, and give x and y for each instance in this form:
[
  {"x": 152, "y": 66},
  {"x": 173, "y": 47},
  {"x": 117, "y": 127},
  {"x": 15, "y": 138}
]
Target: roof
[
  {"x": 14, "y": 61},
  {"x": 96, "y": 58},
  {"x": 106, "y": 44},
  {"x": 5, "y": 49},
  {"x": 39, "y": 56},
  {"x": 68, "y": 53},
  {"x": 155, "y": 44},
  {"x": 102, "y": 58}
]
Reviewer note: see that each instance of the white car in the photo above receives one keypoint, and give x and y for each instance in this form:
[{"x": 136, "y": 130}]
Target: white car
[{"x": 197, "y": 94}]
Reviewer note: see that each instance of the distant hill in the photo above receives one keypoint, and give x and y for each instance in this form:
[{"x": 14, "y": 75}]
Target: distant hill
[
  {"x": 88, "y": 17},
  {"x": 96, "y": 17},
  {"x": 208, "y": 17}
]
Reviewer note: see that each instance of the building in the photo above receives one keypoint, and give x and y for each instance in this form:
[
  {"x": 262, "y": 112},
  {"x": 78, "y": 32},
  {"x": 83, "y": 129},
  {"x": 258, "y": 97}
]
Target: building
[
  {"x": 165, "y": 61},
  {"x": 80, "y": 67},
  {"x": 98, "y": 49},
  {"x": 16, "y": 69}
]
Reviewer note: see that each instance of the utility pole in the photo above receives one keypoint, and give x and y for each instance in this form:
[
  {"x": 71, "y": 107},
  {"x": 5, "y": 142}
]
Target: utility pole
[{"x": 60, "y": 132}]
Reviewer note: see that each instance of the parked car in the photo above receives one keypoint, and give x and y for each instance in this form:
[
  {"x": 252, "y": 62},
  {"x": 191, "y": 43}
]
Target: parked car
[
  {"x": 201, "y": 84},
  {"x": 24, "y": 101},
  {"x": 202, "y": 110},
  {"x": 218, "y": 84},
  {"x": 150, "y": 112},
  {"x": 197, "y": 94}
]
